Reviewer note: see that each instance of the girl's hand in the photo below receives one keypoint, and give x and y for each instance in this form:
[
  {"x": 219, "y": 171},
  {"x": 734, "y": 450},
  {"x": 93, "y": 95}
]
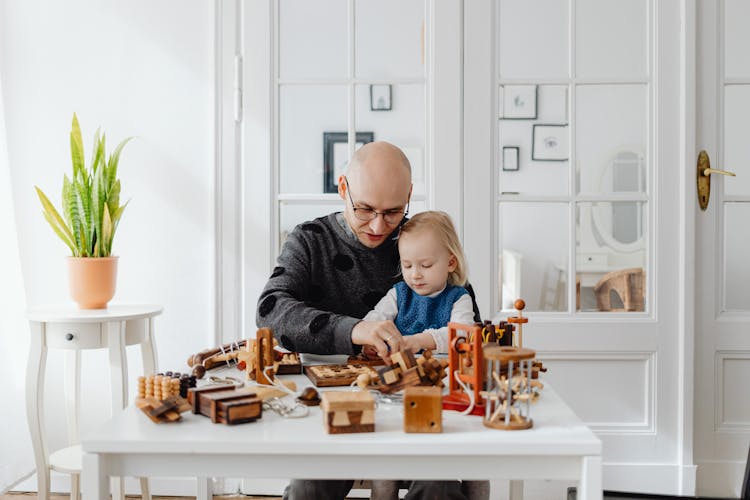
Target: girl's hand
[{"x": 419, "y": 341}]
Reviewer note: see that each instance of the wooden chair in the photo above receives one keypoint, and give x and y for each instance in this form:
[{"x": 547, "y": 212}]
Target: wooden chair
[{"x": 628, "y": 284}]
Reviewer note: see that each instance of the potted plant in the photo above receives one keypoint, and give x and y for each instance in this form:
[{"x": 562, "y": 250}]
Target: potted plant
[{"x": 91, "y": 213}]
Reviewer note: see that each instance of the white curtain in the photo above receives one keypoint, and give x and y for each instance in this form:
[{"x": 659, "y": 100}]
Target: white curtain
[{"x": 16, "y": 456}]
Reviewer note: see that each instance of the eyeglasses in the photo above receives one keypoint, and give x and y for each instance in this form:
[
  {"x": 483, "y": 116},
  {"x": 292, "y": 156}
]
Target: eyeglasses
[{"x": 391, "y": 217}]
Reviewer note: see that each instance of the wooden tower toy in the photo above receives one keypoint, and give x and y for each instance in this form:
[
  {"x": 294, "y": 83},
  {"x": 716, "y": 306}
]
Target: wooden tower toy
[
  {"x": 466, "y": 369},
  {"x": 519, "y": 320}
]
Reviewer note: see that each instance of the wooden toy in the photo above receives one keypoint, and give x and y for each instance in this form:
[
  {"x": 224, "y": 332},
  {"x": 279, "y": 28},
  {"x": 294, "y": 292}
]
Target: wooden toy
[
  {"x": 209, "y": 358},
  {"x": 336, "y": 375},
  {"x": 509, "y": 393},
  {"x": 228, "y": 406},
  {"x": 406, "y": 371},
  {"x": 309, "y": 397},
  {"x": 240, "y": 352},
  {"x": 423, "y": 410},
  {"x": 289, "y": 363},
  {"x": 167, "y": 410},
  {"x": 519, "y": 320},
  {"x": 431, "y": 370},
  {"x": 161, "y": 386},
  {"x": 361, "y": 359},
  {"x": 466, "y": 369},
  {"x": 259, "y": 355},
  {"x": 348, "y": 412}
]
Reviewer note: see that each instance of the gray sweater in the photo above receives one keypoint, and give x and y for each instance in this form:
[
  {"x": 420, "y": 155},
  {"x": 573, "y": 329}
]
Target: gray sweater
[{"x": 325, "y": 281}]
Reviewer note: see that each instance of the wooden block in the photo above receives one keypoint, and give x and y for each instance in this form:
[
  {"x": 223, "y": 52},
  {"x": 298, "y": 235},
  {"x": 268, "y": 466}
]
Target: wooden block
[
  {"x": 208, "y": 402},
  {"x": 408, "y": 378},
  {"x": 346, "y": 422},
  {"x": 423, "y": 410},
  {"x": 348, "y": 412},
  {"x": 389, "y": 374},
  {"x": 346, "y": 401},
  {"x": 240, "y": 411},
  {"x": 194, "y": 394},
  {"x": 404, "y": 359}
]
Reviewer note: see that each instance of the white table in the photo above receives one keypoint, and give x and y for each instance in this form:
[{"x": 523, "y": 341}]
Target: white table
[
  {"x": 72, "y": 329},
  {"x": 559, "y": 446}
]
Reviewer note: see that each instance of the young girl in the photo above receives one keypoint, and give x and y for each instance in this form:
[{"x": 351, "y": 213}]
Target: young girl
[{"x": 432, "y": 292}]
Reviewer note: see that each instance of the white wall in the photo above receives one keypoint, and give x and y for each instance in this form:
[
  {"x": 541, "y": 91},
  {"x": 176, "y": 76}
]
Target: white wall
[{"x": 136, "y": 68}]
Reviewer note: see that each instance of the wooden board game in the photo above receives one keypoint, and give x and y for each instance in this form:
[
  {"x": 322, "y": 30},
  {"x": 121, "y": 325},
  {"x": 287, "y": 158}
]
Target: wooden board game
[{"x": 336, "y": 375}]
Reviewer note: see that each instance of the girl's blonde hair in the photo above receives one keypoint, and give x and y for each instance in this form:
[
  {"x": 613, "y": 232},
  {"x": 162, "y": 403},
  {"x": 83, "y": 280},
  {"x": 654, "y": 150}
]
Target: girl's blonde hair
[{"x": 442, "y": 227}]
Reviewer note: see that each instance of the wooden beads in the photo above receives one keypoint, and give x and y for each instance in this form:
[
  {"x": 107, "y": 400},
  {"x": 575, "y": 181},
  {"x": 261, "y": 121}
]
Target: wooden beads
[
  {"x": 519, "y": 305},
  {"x": 162, "y": 386}
]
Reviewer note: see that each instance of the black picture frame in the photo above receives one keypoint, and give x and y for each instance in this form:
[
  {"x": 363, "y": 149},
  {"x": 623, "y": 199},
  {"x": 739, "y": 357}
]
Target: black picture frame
[
  {"x": 510, "y": 158},
  {"x": 550, "y": 142},
  {"x": 381, "y": 97},
  {"x": 336, "y": 156}
]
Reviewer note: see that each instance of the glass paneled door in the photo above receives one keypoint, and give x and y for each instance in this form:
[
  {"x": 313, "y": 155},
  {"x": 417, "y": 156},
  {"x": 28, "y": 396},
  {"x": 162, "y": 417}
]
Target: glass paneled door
[{"x": 574, "y": 208}]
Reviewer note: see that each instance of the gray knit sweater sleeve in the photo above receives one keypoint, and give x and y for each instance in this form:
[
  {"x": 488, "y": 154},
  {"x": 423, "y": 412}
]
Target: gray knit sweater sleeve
[{"x": 324, "y": 282}]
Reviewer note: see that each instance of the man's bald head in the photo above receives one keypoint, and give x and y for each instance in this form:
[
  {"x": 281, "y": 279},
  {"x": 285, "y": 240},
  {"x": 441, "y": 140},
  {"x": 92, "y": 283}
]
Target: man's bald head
[{"x": 379, "y": 155}]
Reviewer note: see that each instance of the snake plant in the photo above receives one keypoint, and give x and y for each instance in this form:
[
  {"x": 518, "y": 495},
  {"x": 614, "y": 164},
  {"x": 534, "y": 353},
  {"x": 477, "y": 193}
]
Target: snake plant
[{"x": 90, "y": 199}]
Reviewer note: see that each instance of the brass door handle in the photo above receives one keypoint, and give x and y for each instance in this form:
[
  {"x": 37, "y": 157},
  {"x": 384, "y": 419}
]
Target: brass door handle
[
  {"x": 710, "y": 171},
  {"x": 703, "y": 178}
]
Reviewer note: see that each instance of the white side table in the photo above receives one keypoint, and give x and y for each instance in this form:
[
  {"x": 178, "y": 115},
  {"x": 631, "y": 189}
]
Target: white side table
[{"x": 75, "y": 330}]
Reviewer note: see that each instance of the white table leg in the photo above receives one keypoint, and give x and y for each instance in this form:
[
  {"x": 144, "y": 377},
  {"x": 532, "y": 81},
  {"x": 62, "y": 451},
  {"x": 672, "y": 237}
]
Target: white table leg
[
  {"x": 35, "y": 405},
  {"x": 95, "y": 484},
  {"x": 145, "y": 492},
  {"x": 204, "y": 489},
  {"x": 515, "y": 491},
  {"x": 148, "y": 359},
  {"x": 118, "y": 488},
  {"x": 590, "y": 485},
  {"x": 148, "y": 351},
  {"x": 75, "y": 486},
  {"x": 118, "y": 365},
  {"x": 72, "y": 385}
]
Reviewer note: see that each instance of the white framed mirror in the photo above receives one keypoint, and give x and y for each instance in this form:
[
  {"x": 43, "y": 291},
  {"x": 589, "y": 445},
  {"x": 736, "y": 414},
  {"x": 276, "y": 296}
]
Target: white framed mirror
[{"x": 620, "y": 225}]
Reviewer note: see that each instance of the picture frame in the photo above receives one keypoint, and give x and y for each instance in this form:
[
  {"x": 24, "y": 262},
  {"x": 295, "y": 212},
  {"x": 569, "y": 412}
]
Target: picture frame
[
  {"x": 510, "y": 158},
  {"x": 549, "y": 142},
  {"x": 380, "y": 97},
  {"x": 336, "y": 156},
  {"x": 519, "y": 102}
]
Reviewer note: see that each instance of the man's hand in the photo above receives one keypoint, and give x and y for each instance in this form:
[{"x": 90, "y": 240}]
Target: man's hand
[{"x": 379, "y": 334}]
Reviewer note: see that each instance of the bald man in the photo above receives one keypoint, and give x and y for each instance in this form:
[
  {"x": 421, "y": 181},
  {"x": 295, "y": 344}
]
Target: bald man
[{"x": 331, "y": 273}]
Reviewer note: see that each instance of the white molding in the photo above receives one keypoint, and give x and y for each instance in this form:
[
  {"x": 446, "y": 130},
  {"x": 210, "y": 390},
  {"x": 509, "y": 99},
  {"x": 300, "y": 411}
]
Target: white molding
[
  {"x": 259, "y": 207},
  {"x": 655, "y": 478},
  {"x": 649, "y": 383},
  {"x": 227, "y": 291},
  {"x": 720, "y": 478},
  {"x": 479, "y": 182},
  {"x": 445, "y": 108},
  {"x": 720, "y": 424},
  {"x": 687, "y": 253}
]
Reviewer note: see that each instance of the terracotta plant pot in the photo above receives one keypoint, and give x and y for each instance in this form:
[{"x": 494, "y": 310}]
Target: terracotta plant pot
[{"x": 92, "y": 280}]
